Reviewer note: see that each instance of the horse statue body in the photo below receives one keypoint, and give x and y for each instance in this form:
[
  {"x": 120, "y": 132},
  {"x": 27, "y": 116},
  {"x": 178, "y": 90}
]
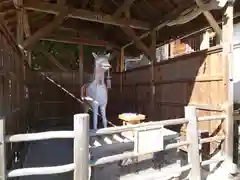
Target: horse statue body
[{"x": 96, "y": 92}]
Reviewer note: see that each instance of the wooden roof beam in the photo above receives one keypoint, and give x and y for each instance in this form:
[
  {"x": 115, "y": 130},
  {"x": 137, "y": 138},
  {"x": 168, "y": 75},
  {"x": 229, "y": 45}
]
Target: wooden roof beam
[
  {"x": 85, "y": 15},
  {"x": 45, "y": 30},
  {"x": 209, "y": 17},
  {"x": 80, "y": 40},
  {"x": 27, "y": 29},
  {"x": 139, "y": 44},
  {"x": 52, "y": 59},
  {"x": 123, "y": 8},
  {"x": 61, "y": 2},
  {"x": 165, "y": 20},
  {"x": 127, "y": 30},
  {"x": 84, "y": 3}
]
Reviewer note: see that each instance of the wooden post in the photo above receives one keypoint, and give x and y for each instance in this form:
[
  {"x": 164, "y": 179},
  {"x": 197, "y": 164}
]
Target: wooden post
[
  {"x": 2, "y": 150},
  {"x": 152, "y": 80},
  {"x": 81, "y": 149},
  {"x": 122, "y": 58},
  {"x": 193, "y": 148},
  {"x": 227, "y": 57},
  {"x": 81, "y": 60}
]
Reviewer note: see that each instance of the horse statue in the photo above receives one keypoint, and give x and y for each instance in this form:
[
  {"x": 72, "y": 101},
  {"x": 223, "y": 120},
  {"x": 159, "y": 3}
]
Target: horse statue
[{"x": 96, "y": 92}]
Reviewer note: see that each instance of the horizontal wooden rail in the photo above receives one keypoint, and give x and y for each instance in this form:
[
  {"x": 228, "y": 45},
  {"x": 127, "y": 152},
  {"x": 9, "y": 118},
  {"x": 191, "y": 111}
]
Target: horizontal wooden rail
[
  {"x": 39, "y": 136},
  {"x": 212, "y": 139},
  {"x": 41, "y": 170},
  {"x": 159, "y": 124},
  {"x": 112, "y": 130},
  {"x": 207, "y": 107},
  {"x": 119, "y": 157},
  {"x": 211, "y": 118}
]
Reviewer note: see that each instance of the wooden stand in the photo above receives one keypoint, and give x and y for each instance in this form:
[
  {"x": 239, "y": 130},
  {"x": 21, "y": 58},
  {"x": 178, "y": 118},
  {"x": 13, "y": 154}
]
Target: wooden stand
[{"x": 131, "y": 120}]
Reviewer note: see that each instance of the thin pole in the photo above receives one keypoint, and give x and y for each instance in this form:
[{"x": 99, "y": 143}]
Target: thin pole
[
  {"x": 121, "y": 69},
  {"x": 2, "y": 150},
  {"x": 81, "y": 60},
  {"x": 81, "y": 149}
]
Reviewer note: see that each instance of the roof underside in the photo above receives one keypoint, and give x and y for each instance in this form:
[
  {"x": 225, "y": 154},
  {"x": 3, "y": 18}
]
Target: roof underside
[{"x": 102, "y": 22}]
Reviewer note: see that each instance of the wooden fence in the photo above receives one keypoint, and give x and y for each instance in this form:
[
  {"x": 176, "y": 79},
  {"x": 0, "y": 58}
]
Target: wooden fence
[
  {"x": 190, "y": 79},
  {"x": 13, "y": 91},
  {"x": 81, "y": 136},
  {"x": 50, "y": 105}
]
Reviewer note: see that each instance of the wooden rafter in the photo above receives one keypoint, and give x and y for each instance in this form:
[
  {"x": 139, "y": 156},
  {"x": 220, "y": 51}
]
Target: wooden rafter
[
  {"x": 85, "y": 15},
  {"x": 61, "y": 2},
  {"x": 27, "y": 29},
  {"x": 52, "y": 59},
  {"x": 84, "y": 3},
  {"x": 165, "y": 20},
  {"x": 139, "y": 44},
  {"x": 212, "y": 22},
  {"x": 45, "y": 30},
  {"x": 127, "y": 30},
  {"x": 97, "y": 5},
  {"x": 123, "y": 8},
  {"x": 79, "y": 40}
]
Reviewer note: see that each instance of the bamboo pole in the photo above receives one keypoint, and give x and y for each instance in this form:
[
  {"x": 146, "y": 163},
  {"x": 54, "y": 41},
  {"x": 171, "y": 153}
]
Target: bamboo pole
[{"x": 227, "y": 58}]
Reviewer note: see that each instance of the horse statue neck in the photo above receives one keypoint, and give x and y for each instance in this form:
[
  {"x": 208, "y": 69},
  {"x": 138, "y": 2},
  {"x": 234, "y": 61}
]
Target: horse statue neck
[{"x": 99, "y": 75}]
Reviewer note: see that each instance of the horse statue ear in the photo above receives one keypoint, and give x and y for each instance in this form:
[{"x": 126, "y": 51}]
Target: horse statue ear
[
  {"x": 108, "y": 55},
  {"x": 94, "y": 55}
]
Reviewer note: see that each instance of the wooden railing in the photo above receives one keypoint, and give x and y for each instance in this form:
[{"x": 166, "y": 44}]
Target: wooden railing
[{"x": 81, "y": 163}]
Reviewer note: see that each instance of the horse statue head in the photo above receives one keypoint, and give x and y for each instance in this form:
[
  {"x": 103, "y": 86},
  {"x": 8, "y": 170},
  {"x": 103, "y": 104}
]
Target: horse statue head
[{"x": 102, "y": 62}]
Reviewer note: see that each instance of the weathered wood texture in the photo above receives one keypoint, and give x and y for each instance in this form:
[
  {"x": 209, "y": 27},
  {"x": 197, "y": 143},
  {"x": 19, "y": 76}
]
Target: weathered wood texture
[
  {"x": 13, "y": 101},
  {"x": 49, "y": 104},
  {"x": 195, "y": 78}
]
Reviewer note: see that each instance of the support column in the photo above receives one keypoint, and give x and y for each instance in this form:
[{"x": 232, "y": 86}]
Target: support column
[
  {"x": 152, "y": 80},
  {"x": 227, "y": 57},
  {"x": 81, "y": 60},
  {"x": 122, "y": 58}
]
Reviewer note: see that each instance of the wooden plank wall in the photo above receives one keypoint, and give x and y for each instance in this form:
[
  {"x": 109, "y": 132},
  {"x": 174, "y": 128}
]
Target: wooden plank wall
[
  {"x": 13, "y": 102},
  {"x": 194, "y": 78},
  {"x": 50, "y": 106}
]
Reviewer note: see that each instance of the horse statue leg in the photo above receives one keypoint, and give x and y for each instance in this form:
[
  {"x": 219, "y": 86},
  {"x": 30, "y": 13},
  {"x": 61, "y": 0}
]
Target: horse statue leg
[
  {"x": 95, "y": 116},
  {"x": 103, "y": 113}
]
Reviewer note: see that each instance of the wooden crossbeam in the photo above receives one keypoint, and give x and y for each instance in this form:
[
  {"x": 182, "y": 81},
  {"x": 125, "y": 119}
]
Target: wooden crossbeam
[
  {"x": 165, "y": 20},
  {"x": 127, "y": 30},
  {"x": 27, "y": 29},
  {"x": 209, "y": 17},
  {"x": 52, "y": 59},
  {"x": 61, "y": 2},
  {"x": 79, "y": 40},
  {"x": 84, "y": 3},
  {"x": 85, "y": 15},
  {"x": 140, "y": 45},
  {"x": 45, "y": 30},
  {"x": 124, "y": 7}
]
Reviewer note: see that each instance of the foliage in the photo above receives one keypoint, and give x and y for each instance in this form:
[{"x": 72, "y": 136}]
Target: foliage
[{"x": 65, "y": 54}]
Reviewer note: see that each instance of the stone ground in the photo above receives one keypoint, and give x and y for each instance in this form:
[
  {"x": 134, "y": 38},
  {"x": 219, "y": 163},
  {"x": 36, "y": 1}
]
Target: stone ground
[{"x": 59, "y": 152}]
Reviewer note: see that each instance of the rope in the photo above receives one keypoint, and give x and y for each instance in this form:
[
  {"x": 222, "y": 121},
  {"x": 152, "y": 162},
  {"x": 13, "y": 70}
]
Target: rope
[{"x": 72, "y": 95}]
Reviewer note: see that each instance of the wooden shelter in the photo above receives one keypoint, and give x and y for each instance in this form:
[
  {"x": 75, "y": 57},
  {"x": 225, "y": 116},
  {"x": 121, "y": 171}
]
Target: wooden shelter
[{"x": 129, "y": 27}]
